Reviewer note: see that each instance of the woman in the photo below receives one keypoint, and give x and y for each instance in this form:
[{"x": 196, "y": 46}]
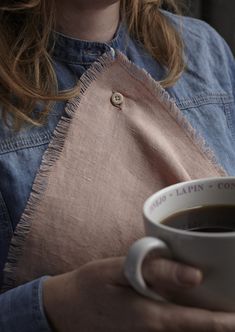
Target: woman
[{"x": 36, "y": 62}]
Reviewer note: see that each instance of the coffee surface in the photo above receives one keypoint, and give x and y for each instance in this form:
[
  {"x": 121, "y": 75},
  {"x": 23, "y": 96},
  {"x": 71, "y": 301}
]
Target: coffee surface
[{"x": 207, "y": 219}]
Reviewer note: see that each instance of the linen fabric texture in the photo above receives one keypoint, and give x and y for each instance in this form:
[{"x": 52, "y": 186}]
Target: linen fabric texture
[{"x": 102, "y": 164}]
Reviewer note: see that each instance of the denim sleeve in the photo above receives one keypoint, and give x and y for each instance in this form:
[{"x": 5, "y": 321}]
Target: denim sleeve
[{"x": 21, "y": 309}]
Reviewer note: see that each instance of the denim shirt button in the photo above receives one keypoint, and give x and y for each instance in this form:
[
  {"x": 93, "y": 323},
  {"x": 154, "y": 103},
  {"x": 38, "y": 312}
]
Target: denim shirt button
[
  {"x": 113, "y": 53},
  {"x": 117, "y": 99}
]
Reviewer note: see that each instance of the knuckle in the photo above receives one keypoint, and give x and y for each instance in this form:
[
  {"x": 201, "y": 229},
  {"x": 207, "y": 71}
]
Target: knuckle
[
  {"x": 177, "y": 270},
  {"x": 163, "y": 268},
  {"x": 90, "y": 271},
  {"x": 218, "y": 325},
  {"x": 152, "y": 321},
  {"x": 162, "y": 272},
  {"x": 169, "y": 271}
]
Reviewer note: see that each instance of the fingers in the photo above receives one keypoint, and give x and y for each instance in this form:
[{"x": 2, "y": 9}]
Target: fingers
[
  {"x": 167, "y": 278},
  {"x": 160, "y": 274},
  {"x": 194, "y": 320},
  {"x": 144, "y": 314},
  {"x": 165, "y": 275}
]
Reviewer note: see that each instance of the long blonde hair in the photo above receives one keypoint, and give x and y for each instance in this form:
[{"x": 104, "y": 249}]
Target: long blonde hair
[{"x": 27, "y": 76}]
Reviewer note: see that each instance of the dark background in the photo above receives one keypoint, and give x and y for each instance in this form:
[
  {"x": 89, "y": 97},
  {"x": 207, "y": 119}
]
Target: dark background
[{"x": 218, "y": 13}]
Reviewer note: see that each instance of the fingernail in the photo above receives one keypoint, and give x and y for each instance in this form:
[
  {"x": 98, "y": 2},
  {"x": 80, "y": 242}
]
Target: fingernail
[{"x": 189, "y": 276}]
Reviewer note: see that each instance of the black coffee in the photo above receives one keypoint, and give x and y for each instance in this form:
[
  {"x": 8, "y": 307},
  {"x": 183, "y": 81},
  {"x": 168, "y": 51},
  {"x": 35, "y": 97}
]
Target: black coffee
[{"x": 208, "y": 219}]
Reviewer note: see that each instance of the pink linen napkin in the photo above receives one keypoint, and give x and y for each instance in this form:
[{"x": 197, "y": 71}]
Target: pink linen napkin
[{"x": 105, "y": 159}]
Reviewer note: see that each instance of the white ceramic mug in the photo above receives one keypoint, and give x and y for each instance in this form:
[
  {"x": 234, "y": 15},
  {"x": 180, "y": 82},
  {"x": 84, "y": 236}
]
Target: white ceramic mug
[{"x": 213, "y": 253}]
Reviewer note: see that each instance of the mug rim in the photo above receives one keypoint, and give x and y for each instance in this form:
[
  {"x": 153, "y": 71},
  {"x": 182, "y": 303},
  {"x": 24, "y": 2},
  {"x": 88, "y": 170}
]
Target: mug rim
[{"x": 148, "y": 201}]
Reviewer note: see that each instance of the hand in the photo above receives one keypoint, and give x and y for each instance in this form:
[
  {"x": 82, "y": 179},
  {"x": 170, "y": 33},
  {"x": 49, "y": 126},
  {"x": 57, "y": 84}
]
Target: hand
[{"x": 98, "y": 298}]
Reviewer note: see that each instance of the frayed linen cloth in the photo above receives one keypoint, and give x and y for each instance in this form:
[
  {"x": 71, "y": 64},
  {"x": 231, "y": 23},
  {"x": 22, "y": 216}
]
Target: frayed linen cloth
[{"x": 103, "y": 162}]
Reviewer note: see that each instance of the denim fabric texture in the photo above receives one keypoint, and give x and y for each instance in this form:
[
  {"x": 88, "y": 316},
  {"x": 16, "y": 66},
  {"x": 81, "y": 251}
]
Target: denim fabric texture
[{"x": 204, "y": 93}]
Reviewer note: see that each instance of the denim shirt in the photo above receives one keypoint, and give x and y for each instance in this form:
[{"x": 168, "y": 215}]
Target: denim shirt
[{"x": 204, "y": 93}]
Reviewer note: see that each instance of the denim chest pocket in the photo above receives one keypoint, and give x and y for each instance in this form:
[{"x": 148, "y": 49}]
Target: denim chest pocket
[
  {"x": 215, "y": 112},
  {"x": 6, "y": 232},
  {"x": 20, "y": 159},
  {"x": 213, "y": 118}
]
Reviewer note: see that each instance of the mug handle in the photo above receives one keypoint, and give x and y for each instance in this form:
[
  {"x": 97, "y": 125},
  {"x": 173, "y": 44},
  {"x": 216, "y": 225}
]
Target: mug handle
[{"x": 134, "y": 261}]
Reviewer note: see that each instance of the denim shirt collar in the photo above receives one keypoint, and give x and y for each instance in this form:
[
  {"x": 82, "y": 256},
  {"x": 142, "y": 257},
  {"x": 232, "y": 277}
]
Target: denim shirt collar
[{"x": 71, "y": 50}]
